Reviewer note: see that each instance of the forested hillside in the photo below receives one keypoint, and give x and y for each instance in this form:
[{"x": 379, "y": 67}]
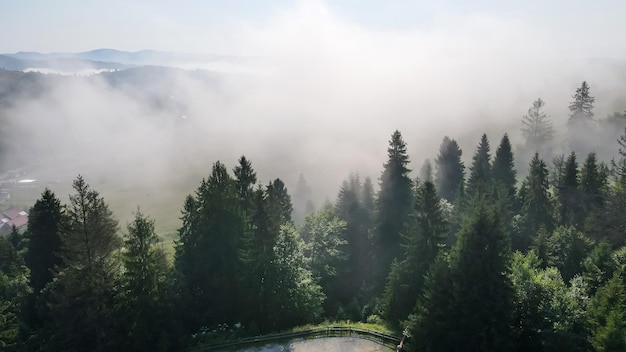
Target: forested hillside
[{"x": 476, "y": 257}]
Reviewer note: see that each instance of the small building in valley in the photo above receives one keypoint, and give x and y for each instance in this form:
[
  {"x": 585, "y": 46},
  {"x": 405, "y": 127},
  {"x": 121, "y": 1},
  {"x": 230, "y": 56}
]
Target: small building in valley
[{"x": 12, "y": 217}]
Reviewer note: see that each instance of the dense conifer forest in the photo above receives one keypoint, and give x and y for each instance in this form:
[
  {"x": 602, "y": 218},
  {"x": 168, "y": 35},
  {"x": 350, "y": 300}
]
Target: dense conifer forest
[{"x": 477, "y": 257}]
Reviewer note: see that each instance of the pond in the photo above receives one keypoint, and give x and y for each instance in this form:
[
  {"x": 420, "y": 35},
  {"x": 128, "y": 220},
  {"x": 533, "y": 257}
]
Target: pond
[{"x": 331, "y": 344}]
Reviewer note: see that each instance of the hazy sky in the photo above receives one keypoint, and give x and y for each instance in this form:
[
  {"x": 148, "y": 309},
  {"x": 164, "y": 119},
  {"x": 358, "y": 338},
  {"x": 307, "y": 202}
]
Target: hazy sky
[
  {"x": 336, "y": 77},
  {"x": 225, "y": 27}
]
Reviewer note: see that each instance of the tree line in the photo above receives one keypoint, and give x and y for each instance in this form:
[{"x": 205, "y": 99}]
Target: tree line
[{"x": 462, "y": 258}]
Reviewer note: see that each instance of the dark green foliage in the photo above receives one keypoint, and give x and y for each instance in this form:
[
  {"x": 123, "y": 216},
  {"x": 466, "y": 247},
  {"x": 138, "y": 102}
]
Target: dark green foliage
[
  {"x": 567, "y": 249},
  {"x": 207, "y": 253},
  {"x": 279, "y": 201},
  {"x": 569, "y": 195},
  {"x": 394, "y": 204},
  {"x": 483, "y": 295},
  {"x": 83, "y": 289},
  {"x": 277, "y": 288},
  {"x": 536, "y": 210},
  {"x": 144, "y": 286},
  {"x": 614, "y": 221},
  {"x": 423, "y": 237},
  {"x": 594, "y": 193},
  {"x": 14, "y": 291},
  {"x": 245, "y": 178},
  {"x": 296, "y": 297},
  {"x": 503, "y": 169},
  {"x": 325, "y": 248},
  {"x": 450, "y": 173},
  {"x": 607, "y": 316},
  {"x": 599, "y": 266},
  {"x": 468, "y": 305},
  {"x": 257, "y": 255},
  {"x": 480, "y": 173},
  {"x": 548, "y": 316},
  {"x": 355, "y": 206},
  {"x": 537, "y": 128},
  {"x": 594, "y": 181},
  {"x": 431, "y": 325},
  {"x": 44, "y": 245}
]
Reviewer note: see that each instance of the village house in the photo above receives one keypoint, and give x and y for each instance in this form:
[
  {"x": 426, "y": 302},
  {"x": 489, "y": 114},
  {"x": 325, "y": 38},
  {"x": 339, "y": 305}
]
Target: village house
[{"x": 12, "y": 217}]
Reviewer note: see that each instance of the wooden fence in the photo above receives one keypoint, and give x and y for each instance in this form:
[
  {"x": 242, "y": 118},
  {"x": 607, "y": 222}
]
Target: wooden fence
[{"x": 330, "y": 331}]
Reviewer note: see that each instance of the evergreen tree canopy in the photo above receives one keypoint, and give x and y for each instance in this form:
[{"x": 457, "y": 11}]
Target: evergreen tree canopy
[
  {"x": 394, "y": 203},
  {"x": 424, "y": 235},
  {"x": 450, "y": 173},
  {"x": 504, "y": 169},
  {"x": 483, "y": 294},
  {"x": 536, "y": 207},
  {"x": 569, "y": 194},
  {"x": 44, "y": 245},
  {"x": 85, "y": 284},
  {"x": 582, "y": 105},
  {"x": 207, "y": 253},
  {"x": 354, "y": 206},
  {"x": 536, "y": 126},
  {"x": 325, "y": 247},
  {"x": 480, "y": 173},
  {"x": 245, "y": 178},
  {"x": 144, "y": 284},
  {"x": 607, "y": 316}
]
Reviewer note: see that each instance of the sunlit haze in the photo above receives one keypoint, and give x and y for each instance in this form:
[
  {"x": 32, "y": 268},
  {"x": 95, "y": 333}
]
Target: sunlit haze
[{"x": 306, "y": 87}]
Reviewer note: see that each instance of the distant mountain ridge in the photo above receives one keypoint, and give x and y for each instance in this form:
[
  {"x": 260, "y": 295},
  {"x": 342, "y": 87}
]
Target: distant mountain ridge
[{"x": 107, "y": 59}]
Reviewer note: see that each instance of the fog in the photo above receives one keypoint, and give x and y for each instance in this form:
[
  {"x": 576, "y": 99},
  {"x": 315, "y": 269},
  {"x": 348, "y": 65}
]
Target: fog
[{"x": 320, "y": 95}]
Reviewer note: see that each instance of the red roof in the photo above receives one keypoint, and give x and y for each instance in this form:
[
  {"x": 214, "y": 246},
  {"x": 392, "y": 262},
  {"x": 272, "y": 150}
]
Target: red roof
[
  {"x": 12, "y": 213},
  {"x": 12, "y": 217},
  {"x": 18, "y": 221}
]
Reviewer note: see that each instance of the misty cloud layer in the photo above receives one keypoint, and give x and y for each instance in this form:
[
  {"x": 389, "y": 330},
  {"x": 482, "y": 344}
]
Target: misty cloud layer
[{"x": 321, "y": 98}]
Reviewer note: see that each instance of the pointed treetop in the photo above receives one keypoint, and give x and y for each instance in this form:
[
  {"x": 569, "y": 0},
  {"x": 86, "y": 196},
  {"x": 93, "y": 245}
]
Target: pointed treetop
[{"x": 582, "y": 106}]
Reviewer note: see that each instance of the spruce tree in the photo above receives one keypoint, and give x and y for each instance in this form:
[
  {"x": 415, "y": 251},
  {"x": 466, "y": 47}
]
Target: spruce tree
[
  {"x": 581, "y": 124},
  {"x": 569, "y": 195},
  {"x": 480, "y": 264},
  {"x": 352, "y": 207},
  {"x": 581, "y": 108},
  {"x": 394, "y": 204},
  {"x": 450, "y": 172},
  {"x": 423, "y": 237},
  {"x": 43, "y": 254},
  {"x": 84, "y": 287},
  {"x": 503, "y": 169},
  {"x": 144, "y": 284},
  {"x": 44, "y": 245},
  {"x": 536, "y": 210},
  {"x": 593, "y": 181},
  {"x": 480, "y": 173},
  {"x": 245, "y": 178},
  {"x": 595, "y": 192},
  {"x": 207, "y": 253},
  {"x": 537, "y": 128}
]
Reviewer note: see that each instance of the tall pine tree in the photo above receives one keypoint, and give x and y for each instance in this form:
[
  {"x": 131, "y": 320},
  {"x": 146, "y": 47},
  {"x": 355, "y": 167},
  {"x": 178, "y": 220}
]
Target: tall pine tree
[
  {"x": 450, "y": 172},
  {"x": 394, "y": 204},
  {"x": 84, "y": 287}
]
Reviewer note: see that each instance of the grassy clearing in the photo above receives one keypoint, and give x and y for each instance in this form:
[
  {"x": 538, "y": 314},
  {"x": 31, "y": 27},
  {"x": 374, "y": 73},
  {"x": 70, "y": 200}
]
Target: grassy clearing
[
  {"x": 359, "y": 325},
  {"x": 160, "y": 203}
]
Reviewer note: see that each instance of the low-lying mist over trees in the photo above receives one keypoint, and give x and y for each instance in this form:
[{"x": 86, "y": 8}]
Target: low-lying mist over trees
[{"x": 198, "y": 174}]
